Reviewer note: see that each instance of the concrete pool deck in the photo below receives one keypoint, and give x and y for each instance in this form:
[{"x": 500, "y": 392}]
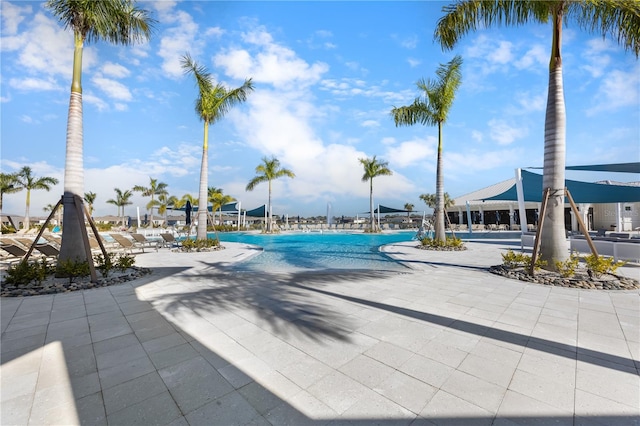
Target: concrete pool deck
[{"x": 445, "y": 342}]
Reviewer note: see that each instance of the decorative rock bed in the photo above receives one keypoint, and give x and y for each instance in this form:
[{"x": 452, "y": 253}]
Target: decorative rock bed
[
  {"x": 54, "y": 285},
  {"x": 579, "y": 280},
  {"x": 445, "y": 248}
]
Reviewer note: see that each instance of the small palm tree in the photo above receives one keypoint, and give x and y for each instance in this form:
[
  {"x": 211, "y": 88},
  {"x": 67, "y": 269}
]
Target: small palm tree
[
  {"x": 268, "y": 171},
  {"x": 212, "y": 104},
  {"x": 430, "y": 200},
  {"x": 373, "y": 168},
  {"x": 617, "y": 19},
  {"x": 154, "y": 188},
  {"x": 409, "y": 208},
  {"x": 433, "y": 109},
  {"x": 25, "y": 180},
  {"x": 123, "y": 198},
  {"x": 218, "y": 198},
  {"x": 8, "y": 185},
  {"x": 90, "y": 198}
]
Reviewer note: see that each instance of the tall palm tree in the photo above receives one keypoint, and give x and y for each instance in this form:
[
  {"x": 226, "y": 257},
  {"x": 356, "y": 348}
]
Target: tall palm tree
[
  {"x": 154, "y": 188},
  {"x": 268, "y": 171},
  {"x": 115, "y": 21},
  {"x": 8, "y": 185},
  {"x": 26, "y": 180},
  {"x": 373, "y": 168},
  {"x": 618, "y": 19},
  {"x": 409, "y": 208},
  {"x": 90, "y": 198},
  {"x": 212, "y": 104},
  {"x": 433, "y": 109},
  {"x": 123, "y": 198}
]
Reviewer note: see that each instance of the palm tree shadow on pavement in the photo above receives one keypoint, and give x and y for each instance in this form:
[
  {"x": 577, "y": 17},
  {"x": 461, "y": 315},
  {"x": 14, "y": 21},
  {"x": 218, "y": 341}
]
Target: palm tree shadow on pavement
[{"x": 128, "y": 361}]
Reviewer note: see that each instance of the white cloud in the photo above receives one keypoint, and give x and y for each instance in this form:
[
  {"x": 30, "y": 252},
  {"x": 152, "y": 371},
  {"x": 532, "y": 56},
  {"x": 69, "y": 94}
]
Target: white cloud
[
  {"x": 178, "y": 40},
  {"x": 414, "y": 62},
  {"x": 536, "y": 56},
  {"x": 410, "y": 42},
  {"x": 270, "y": 63},
  {"x": 31, "y": 83},
  {"x": 91, "y": 99},
  {"x": 531, "y": 102},
  {"x": 595, "y": 57},
  {"x": 112, "y": 88},
  {"x": 503, "y": 133},
  {"x": 476, "y": 135},
  {"x": 618, "y": 89},
  {"x": 472, "y": 162},
  {"x": 370, "y": 123},
  {"x": 115, "y": 70},
  {"x": 411, "y": 152},
  {"x": 12, "y": 17}
]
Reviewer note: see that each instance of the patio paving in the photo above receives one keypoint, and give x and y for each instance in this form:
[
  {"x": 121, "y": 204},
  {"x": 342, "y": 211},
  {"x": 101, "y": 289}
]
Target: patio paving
[{"x": 444, "y": 342}]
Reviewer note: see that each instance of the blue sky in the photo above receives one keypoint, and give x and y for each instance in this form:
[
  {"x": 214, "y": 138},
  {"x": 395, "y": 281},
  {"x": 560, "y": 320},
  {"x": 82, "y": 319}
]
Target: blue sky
[{"x": 326, "y": 76}]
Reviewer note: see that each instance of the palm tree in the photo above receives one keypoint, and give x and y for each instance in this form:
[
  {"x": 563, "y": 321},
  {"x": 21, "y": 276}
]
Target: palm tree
[
  {"x": 409, "y": 208},
  {"x": 213, "y": 102},
  {"x": 267, "y": 172},
  {"x": 617, "y": 19},
  {"x": 218, "y": 199},
  {"x": 154, "y": 188},
  {"x": 430, "y": 200},
  {"x": 373, "y": 168},
  {"x": 8, "y": 185},
  {"x": 164, "y": 203},
  {"x": 25, "y": 180},
  {"x": 123, "y": 198},
  {"x": 90, "y": 198},
  {"x": 433, "y": 109},
  {"x": 118, "y": 22}
]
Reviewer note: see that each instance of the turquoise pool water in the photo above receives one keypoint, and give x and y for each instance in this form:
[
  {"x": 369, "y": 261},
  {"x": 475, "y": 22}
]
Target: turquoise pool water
[{"x": 318, "y": 251}]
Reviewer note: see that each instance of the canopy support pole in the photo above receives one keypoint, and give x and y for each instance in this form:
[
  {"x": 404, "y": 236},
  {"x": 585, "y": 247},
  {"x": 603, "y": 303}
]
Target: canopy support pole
[{"x": 521, "y": 207}]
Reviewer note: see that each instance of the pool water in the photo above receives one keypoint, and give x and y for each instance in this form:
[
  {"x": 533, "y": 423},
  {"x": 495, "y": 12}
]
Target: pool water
[{"x": 318, "y": 251}]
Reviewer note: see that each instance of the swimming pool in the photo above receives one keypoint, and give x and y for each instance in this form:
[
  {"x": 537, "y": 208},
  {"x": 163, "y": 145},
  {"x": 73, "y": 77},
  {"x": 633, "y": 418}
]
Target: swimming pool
[{"x": 318, "y": 251}]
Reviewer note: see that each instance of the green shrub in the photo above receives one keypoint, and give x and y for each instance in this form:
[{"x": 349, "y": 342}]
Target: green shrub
[
  {"x": 72, "y": 269},
  {"x": 199, "y": 244},
  {"x": 568, "y": 267},
  {"x": 103, "y": 227},
  {"x": 511, "y": 260},
  {"x": 24, "y": 272},
  {"x": 450, "y": 242},
  {"x": 125, "y": 261},
  {"x": 598, "y": 265},
  {"x": 8, "y": 229}
]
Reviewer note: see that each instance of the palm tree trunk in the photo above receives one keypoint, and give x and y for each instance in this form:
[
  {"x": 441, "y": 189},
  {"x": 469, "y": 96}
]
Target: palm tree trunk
[
  {"x": 553, "y": 238},
  {"x": 553, "y": 246},
  {"x": 269, "y": 210},
  {"x": 201, "y": 233},
  {"x": 27, "y": 223},
  {"x": 150, "y": 211},
  {"x": 440, "y": 234},
  {"x": 72, "y": 246},
  {"x": 372, "y": 218}
]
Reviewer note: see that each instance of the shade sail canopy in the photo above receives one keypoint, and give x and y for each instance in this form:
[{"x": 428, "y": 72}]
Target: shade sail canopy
[
  {"x": 227, "y": 208},
  {"x": 257, "y": 212},
  {"x": 384, "y": 209},
  {"x": 581, "y": 192},
  {"x": 230, "y": 208},
  {"x": 615, "y": 168}
]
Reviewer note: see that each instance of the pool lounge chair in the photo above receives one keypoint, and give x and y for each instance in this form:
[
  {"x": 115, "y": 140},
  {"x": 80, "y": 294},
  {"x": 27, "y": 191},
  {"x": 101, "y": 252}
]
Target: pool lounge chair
[
  {"x": 126, "y": 244},
  {"x": 144, "y": 242},
  {"x": 170, "y": 241},
  {"x": 47, "y": 250}
]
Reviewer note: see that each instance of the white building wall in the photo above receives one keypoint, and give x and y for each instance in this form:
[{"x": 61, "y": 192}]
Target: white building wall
[{"x": 626, "y": 217}]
